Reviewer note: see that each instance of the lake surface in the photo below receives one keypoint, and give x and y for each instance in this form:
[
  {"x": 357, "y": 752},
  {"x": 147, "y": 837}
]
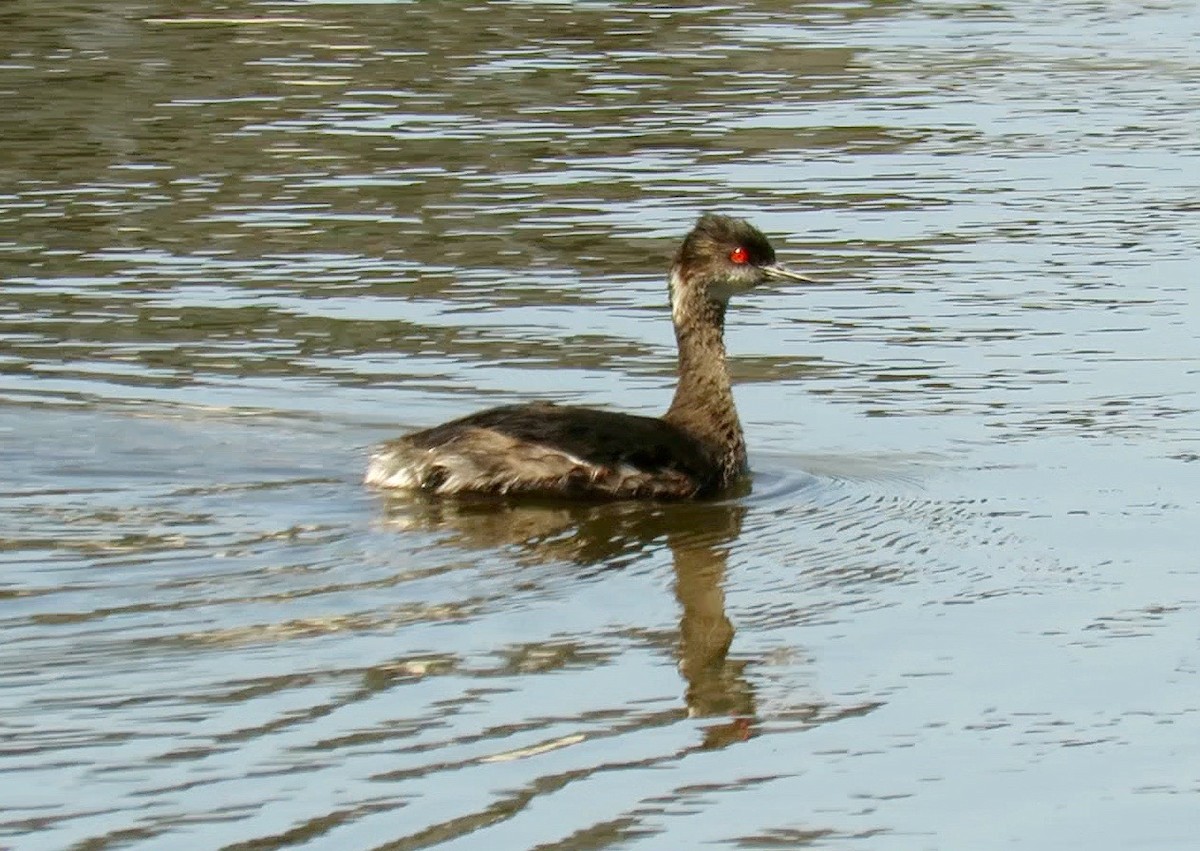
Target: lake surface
[{"x": 958, "y": 607}]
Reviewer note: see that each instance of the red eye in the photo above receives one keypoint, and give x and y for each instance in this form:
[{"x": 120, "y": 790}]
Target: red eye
[{"x": 739, "y": 255}]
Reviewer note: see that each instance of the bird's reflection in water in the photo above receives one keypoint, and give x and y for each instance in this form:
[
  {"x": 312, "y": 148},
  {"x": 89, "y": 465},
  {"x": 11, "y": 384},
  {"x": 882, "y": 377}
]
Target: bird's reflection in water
[{"x": 605, "y": 536}]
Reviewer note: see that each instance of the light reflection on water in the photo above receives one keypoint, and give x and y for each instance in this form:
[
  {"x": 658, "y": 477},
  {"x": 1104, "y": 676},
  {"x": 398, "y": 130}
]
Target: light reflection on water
[{"x": 236, "y": 251}]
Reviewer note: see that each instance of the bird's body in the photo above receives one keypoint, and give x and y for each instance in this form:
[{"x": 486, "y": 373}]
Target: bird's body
[
  {"x": 542, "y": 449},
  {"x": 695, "y": 449}
]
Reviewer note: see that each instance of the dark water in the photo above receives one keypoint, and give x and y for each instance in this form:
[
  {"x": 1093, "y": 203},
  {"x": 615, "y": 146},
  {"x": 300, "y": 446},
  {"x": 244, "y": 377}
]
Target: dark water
[{"x": 239, "y": 244}]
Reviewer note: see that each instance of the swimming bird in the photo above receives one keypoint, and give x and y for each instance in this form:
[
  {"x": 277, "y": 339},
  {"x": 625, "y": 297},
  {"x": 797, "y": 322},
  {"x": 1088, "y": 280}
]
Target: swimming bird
[{"x": 695, "y": 449}]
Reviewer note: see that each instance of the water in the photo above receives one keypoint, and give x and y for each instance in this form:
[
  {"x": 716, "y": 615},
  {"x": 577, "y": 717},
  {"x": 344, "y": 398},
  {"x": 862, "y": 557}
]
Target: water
[{"x": 240, "y": 245}]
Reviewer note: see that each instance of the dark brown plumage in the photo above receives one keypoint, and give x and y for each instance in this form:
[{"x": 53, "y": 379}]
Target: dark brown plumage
[{"x": 695, "y": 449}]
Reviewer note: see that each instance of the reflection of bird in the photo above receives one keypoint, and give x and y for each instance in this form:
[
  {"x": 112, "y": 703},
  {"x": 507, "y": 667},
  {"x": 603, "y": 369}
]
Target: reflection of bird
[
  {"x": 597, "y": 537},
  {"x": 695, "y": 449}
]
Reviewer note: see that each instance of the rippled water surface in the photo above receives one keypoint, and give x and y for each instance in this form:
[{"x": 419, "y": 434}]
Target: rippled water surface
[{"x": 240, "y": 244}]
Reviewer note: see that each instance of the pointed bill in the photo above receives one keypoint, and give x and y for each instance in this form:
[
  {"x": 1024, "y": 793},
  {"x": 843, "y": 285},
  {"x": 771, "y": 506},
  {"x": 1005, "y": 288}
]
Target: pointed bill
[{"x": 777, "y": 272}]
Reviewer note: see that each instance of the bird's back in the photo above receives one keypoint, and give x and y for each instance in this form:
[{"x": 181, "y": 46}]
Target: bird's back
[{"x": 551, "y": 450}]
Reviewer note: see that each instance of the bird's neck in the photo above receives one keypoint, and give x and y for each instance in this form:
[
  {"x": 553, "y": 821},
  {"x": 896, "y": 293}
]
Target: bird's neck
[{"x": 703, "y": 404}]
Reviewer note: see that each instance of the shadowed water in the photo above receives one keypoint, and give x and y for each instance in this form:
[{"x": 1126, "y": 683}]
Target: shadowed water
[{"x": 956, "y": 607}]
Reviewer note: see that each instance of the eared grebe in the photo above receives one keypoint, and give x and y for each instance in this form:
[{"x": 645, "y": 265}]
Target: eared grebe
[{"x": 695, "y": 449}]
